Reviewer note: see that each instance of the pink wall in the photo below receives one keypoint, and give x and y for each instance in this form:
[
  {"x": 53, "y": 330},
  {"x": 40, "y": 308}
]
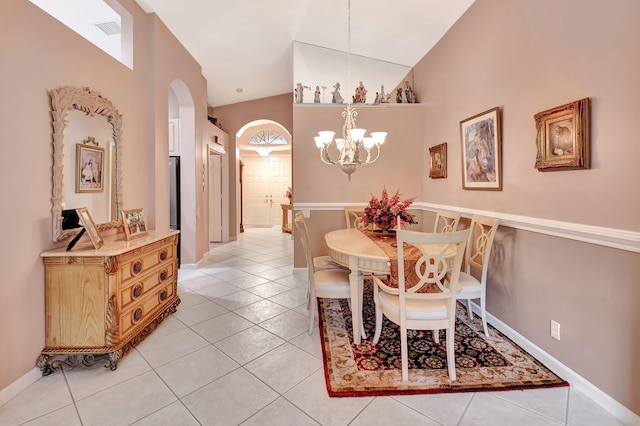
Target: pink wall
[
  {"x": 526, "y": 57},
  {"x": 39, "y": 54}
]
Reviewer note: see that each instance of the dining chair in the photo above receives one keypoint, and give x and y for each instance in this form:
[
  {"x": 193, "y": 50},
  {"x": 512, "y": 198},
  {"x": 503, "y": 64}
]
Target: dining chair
[
  {"x": 351, "y": 216},
  {"x": 433, "y": 260},
  {"x": 482, "y": 232},
  {"x": 319, "y": 262},
  {"x": 330, "y": 283},
  {"x": 446, "y": 221}
]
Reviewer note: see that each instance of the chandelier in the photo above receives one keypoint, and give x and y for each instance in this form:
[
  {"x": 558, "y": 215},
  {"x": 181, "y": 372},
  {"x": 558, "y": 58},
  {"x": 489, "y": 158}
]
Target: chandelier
[{"x": 353, "y": 148}]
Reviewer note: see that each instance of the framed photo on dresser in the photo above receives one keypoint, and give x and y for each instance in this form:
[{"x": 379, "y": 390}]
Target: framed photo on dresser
[
  {"x": 134, "y": 223},
  {"x": 90, "y": 227}
]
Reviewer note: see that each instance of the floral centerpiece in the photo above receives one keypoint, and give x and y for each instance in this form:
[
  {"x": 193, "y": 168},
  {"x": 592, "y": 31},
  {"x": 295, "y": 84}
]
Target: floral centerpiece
[{"x": 383, "y": 212}]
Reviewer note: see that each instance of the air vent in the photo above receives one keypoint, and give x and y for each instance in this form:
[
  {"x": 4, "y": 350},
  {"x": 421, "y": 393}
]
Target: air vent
[{"x": 109, "y": 28}]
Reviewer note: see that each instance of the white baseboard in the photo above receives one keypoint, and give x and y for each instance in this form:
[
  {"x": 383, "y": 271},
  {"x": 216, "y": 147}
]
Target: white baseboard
[
  {"x": 616, "y": 409},
  {"x": 19, "y": 385}
]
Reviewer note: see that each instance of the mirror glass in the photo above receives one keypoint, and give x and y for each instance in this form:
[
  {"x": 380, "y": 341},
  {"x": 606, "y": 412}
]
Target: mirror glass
[{"x": 87, "y": 150}]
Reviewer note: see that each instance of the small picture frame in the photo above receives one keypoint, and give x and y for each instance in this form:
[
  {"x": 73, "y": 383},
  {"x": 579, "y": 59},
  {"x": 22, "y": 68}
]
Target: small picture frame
[
  {"x": 90, "y": 227},
  {"x": 438, "y": 161},
  {"x": 134, "y": 223},
  {"x": 89, "y": 168},
  {"x": 563, "y": 139},
  {"x": 481, "y": 141}
]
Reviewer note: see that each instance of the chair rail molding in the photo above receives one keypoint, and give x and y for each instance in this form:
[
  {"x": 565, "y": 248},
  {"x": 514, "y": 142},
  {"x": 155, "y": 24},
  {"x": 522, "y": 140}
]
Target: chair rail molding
[{"x": 609, "y": 237}]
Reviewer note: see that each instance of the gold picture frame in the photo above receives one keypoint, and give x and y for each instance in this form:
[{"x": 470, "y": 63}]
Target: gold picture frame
[
  {"x": 134, "y": 224},
  {"x": 438, "y": 161},
  {"x": 89, "y": 168},
  {"x": 90, "y": 227},
  {"x": 481, "y": 141},
  {"x": 564, "y": 137}
]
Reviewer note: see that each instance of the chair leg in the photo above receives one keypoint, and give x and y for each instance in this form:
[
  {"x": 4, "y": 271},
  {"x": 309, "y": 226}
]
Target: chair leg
[
  {"x": 436, "y": 336},
  {"x": 404, "y": 354},
  {"x": 311, "y": 315},
  {"x": 451, "y": 358},
  {"x": 378, "y": 331},
  {"x": 469, "y": 311},
  {"x": 483, "y": 313}
]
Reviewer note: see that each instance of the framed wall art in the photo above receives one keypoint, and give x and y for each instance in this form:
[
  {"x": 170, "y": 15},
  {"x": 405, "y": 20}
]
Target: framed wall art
[
  {"x": 90, "y": 227},
  {"x": 134, "y": 223},
  {"x": 564, "y": 137},
  {"x": 438, "y": 161},
  {"x": 89, "y": 168},
  {"x": 480, "y": 137}
]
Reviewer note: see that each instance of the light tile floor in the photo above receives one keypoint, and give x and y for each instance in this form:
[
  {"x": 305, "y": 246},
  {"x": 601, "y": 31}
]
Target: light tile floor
[{"x": 237, "y": 352}]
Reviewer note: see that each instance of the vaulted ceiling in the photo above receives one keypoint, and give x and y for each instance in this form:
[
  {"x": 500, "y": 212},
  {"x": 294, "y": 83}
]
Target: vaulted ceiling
[{"x": 245, "y": 47}]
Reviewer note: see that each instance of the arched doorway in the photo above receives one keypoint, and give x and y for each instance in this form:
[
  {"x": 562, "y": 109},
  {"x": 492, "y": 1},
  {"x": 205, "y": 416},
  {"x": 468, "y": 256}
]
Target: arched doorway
[
  {"x": 265, "y": 152},
  {"x": 182, "y": 149}
]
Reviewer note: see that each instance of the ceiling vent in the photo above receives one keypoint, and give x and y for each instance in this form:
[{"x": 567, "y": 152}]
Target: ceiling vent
[{"x": 109, "y": 28}]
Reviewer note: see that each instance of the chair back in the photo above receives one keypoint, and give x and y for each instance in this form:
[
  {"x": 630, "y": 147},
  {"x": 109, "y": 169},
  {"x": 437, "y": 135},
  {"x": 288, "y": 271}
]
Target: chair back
[
  {"x": 303, "y": 232},
  {"x": 437, "y": 269},
  {"x": 446, "y": 221},
  {"x": 481, "y": 235},
  {"x": 351, "y": 215}
]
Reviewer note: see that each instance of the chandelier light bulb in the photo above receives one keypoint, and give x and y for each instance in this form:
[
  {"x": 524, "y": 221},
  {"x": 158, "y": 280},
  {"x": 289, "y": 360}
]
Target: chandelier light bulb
[
  {"x": 357, "y": 134},
  {"x": 379, "y": 137}
]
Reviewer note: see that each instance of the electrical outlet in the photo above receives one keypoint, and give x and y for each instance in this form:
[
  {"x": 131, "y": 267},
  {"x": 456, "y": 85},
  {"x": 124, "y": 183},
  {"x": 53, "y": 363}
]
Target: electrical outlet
[
  {"x": 306, "y": 213},
  {"x": 555, "y": 330}
]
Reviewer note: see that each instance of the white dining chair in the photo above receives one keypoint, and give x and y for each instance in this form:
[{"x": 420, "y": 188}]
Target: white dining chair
[
  {"x": 352, "y": 216},
  {"x": 413, "y": 308},
  {"x": 481, "y": 236},
  {"x": 330, "y": 283},
  {"x": 446, "y": 221},
  {"x": 319, "y": 262}
]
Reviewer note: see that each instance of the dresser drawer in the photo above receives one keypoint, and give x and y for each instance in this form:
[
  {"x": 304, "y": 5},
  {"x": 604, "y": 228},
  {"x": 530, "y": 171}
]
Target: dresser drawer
[
  {"x": 141, "y": 310},
  {"x": 139, "y": 264},
  {"x": 140, "y": 287}
]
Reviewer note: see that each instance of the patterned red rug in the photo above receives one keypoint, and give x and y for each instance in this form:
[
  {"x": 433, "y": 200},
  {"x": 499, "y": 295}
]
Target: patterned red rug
[{"x": 482, "y": 363}]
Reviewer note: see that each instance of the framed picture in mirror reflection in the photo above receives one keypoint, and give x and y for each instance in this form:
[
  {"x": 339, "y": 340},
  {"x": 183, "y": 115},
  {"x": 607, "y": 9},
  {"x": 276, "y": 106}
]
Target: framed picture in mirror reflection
[{"x": 89, "y": 168}]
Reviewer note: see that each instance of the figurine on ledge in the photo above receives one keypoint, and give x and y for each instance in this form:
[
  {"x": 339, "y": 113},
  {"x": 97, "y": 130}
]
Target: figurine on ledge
[
  {"x": 361, "y": 95},
  {"x": 337, "y": 97}
]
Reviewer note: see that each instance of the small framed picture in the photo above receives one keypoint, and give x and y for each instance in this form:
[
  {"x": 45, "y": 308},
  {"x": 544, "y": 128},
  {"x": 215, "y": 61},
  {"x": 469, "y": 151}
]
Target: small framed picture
[
  {"x": 482, "y": 151},
  {"x": 89, "y": 168},
  {"x": 134, "y": 223},
  {"x": 564, "y": 137},
  {"x": 90, "y": 227},
  {"x": 438, "y": 161}
]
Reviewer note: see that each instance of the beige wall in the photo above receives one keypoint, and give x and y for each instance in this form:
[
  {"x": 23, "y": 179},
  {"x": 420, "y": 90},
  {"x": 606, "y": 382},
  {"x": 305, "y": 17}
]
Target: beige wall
[{"x": 39, "y": 54}]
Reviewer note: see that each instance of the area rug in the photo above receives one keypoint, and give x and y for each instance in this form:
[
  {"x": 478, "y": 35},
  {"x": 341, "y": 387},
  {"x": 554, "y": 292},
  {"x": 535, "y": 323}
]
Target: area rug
[{"x": 482, "y": 363}]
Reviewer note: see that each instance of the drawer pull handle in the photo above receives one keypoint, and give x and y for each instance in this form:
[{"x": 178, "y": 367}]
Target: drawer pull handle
[
  {"x": 163, "y": 275},
  {"x": 163, "y": 294},
  {"x": 163, "y": 255},
  {"x": 137, "y": 291},
  {"x": 136, "y": 268},
  {"x": 137, "y": 314}
]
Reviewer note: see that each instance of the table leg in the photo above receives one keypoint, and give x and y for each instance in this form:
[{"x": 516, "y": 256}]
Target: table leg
[{"x": 356, "y": 282}]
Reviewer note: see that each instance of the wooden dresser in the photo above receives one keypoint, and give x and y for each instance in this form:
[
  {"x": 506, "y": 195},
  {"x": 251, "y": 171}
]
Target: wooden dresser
[{"x": 101, "y": 303}]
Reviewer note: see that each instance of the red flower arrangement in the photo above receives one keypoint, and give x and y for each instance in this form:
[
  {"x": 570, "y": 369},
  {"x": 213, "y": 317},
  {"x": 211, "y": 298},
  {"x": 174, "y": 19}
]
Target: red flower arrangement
[{"x": 383, "y": 212}]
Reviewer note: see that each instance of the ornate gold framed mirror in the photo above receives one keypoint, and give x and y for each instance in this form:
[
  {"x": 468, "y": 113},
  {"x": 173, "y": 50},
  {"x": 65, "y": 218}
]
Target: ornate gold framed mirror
[{"x": 65, "y": 102}]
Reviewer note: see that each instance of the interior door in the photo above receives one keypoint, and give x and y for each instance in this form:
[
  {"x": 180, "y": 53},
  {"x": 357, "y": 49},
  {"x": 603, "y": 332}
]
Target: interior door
[{"x": 265, "y": 183}]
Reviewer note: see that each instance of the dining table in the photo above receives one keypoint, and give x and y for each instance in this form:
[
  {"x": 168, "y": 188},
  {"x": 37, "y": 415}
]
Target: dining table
[
  {"x": 362, "y": 252},
  {"x": 356, "y": 251}
]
